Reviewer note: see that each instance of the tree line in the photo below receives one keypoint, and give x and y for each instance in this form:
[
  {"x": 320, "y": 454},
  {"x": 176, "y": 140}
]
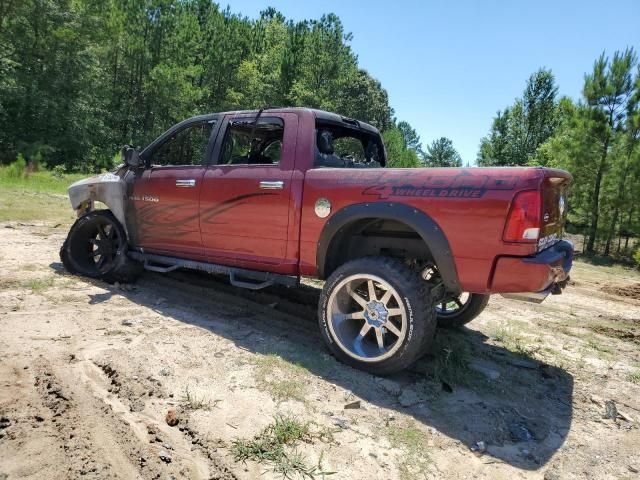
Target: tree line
[
  {"x": 80, "y": 77},
  {"x": 596, "y": 138}
]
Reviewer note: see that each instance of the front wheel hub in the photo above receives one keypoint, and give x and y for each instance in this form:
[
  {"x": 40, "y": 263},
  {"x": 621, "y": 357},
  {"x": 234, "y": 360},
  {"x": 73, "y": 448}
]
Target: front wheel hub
[
  {"x": 367, "y": 318},
  {"x": 375, "y": 314}
]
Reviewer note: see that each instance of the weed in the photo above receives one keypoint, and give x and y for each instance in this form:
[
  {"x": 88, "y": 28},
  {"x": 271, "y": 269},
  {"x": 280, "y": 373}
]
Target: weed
[
  {"x": 282, "y": 379},
  {"x": 593, "y": 343},
  {"x": 452, "y": 360},
  {"x": 275, "y": 445},
  {"x": 411, "y": 440},
  {"x": 195, "y": 402},
  {"x": 510, "y": 339},
  {"x": 634, "y": 377},
  {"x": 37, "y": 285}
]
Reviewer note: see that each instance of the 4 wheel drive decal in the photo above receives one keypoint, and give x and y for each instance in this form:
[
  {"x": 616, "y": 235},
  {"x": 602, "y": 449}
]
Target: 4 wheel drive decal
[
  {"x": 385, "y": 192},
  {"x": 458, "y": 185},
  {"x": 438, "y": 185}
]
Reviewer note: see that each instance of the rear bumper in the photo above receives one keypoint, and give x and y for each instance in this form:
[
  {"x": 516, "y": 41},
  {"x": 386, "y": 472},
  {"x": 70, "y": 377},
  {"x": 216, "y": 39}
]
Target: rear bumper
[{"x": 535, "y": 276}]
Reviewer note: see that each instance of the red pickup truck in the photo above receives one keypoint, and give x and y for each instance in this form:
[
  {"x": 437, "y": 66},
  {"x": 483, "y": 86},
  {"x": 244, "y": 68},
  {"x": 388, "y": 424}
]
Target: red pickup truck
[{"x": 273, "y": 195}]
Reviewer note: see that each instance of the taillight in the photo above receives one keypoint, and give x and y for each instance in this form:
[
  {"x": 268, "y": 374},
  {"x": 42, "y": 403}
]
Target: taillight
[{"x": 523, "y": 222}]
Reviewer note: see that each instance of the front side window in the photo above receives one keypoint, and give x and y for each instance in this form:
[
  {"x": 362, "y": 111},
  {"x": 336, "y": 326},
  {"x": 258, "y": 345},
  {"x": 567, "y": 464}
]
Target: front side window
[
  {"x": 249, "y": 144},
  {"x": 186, "y": 147}
]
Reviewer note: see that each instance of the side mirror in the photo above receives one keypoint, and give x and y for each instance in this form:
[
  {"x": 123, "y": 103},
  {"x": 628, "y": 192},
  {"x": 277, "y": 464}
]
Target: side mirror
[{"x": 130, "y": 156}]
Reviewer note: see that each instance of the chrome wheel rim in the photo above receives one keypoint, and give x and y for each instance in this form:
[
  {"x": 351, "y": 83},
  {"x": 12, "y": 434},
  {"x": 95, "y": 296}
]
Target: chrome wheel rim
[
  {"x": 453, "y": 306},
  {"x": 366, "y": 318}
]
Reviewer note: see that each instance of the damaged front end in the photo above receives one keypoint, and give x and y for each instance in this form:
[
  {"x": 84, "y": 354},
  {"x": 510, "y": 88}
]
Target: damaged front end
[{"x": 107, "y": 188}]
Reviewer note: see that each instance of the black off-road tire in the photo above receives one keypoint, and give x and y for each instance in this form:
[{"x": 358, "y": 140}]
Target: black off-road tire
[
  {"x": 74, "y": 252},
  {"x": 417, "y": 301},
  {"x": 472, "y": 308}
]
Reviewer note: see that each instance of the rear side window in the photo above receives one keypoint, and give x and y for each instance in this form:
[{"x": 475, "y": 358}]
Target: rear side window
[
  {"x": 186, "y": 147},
  {"x": 246, "y": 143}
]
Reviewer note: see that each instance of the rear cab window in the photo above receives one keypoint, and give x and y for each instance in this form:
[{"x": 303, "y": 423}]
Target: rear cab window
[{"x": 346, "y": 146}]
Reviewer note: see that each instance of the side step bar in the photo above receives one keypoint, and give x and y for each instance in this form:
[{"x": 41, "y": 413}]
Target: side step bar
[{"x": 239, "y": 277}]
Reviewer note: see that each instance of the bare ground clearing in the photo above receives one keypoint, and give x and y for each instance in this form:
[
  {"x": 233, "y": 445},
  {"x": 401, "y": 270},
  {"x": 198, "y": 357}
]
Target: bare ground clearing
[{"x": 88, "y": 372}]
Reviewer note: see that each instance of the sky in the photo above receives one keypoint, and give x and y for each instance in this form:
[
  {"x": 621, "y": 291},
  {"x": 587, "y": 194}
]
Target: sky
[{"x": 449, "y": 66}]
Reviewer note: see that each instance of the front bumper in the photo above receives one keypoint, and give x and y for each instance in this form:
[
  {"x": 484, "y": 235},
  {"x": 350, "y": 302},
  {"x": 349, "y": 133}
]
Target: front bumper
[{"x": 533, "y": 278}]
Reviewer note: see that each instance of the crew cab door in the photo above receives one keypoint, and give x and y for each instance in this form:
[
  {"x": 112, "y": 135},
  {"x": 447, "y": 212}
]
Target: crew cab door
[
  {"x": 165, "y": 196},
  {"x": 245, "y": 197}
]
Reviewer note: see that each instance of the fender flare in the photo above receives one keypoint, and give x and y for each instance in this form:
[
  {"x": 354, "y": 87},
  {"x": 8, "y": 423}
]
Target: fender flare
[{"x": 423, "y": 224}]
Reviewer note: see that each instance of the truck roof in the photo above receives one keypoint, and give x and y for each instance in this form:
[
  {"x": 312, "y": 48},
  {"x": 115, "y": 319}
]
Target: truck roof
[{"x": 323, "y": 115}]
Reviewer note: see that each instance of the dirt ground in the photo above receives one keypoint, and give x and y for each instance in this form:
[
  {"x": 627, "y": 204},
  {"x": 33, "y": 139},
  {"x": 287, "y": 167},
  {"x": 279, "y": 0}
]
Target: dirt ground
[{"x": 88, "y": 372}]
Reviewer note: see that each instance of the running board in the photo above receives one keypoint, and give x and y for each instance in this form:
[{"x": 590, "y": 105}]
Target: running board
[{"x": 239, "y": 277}]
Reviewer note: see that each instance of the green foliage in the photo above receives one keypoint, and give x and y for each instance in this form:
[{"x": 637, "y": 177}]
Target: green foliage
[
  {"x": 636, "y": 257},
  {"x": 597, "y": 139},
  {"x": 79, "y": 78},
  {"x": 397, "y": 152},
  {"x": 58, "y": 171},
  {"x": 274, "y": 445},
  {"x": 410, "y": 137},
  {"x": 518, "y": 131},
  {"x": 440, "y": 153},
  {"x": 17, "y": 169}
]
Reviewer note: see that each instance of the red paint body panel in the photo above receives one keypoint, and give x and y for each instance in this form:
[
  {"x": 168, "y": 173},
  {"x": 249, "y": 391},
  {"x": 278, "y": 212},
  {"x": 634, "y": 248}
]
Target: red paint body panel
[
  {"x": 514, "y": 275},
  {"x": 278, "y": 230},
  {"x": 167, "y": 215},
  {"x": 244, "y": 225},
  {"x": 473, "y": 226}
]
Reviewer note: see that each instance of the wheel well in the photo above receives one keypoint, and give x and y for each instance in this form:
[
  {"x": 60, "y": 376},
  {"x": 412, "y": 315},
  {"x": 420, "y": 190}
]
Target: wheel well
[{"x": 375, "y": 236}]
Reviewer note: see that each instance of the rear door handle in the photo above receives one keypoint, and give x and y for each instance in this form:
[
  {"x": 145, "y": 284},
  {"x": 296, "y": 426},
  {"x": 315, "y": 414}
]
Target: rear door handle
[
  {"x": 185, "y": 183},
  {"x": 272, "y": 185}
]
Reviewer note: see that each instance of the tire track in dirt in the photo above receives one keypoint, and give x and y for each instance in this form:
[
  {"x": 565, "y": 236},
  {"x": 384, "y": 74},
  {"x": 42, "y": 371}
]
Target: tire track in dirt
[
  {"x": 190, "y": 452},
  {"x": 92, "y": 449},
  {"x": 102, "y": 436}
]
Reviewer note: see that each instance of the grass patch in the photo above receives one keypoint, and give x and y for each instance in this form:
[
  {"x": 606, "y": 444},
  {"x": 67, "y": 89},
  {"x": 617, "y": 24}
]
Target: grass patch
[
  {"x": 276, "y": 446},
  {"x": 593, "y": 346},
  {"x": 197, "y": 402},
  {"x": 514, "y": 342},
  {"x": 26, "y": 206},
  {"x": 411, "y": 440},
  {"x": 282, "y": 379},
  {"x": 453, "y": 354},
  {"x": 634, "y": 377},
  {"x": 42, "y": 181},
  {"x": 37, "y": 196},
  {"x": 38, "y": 285}
]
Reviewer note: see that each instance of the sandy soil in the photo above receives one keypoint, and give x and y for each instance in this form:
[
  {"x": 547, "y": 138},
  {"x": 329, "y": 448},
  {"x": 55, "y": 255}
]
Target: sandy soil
[{"x": 88, "y": 372}]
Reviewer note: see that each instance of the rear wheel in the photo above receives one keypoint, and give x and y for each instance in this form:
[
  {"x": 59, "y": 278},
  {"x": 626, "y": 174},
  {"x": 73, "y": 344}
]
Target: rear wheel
[
  {"x": 376, "y": 315},
  {"x": 456, "y": 312},
  {"x": 96, "y": 247}
]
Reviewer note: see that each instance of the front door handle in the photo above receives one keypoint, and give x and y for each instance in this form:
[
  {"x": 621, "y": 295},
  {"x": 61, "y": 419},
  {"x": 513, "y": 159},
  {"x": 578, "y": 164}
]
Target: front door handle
[
  {"x": 272, "y": 185},
  {"x": 185, "y": 183}
]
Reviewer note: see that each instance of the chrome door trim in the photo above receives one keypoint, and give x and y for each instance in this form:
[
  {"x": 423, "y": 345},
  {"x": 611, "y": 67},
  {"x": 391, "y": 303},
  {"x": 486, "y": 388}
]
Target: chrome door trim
[
  {"x": 272, "y": 185},
  {"x": 186, "y": 183}
]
